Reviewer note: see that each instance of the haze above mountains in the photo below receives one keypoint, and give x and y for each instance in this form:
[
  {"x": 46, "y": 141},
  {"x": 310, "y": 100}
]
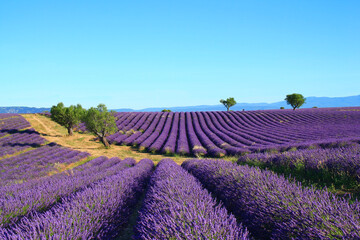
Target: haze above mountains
[{"x": 321, "y": 102}]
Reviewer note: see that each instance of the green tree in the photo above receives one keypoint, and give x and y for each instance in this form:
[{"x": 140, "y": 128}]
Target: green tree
[
  {"x": 296, "y": 100},
  {"x": 101, "y": 123},
  {"x": 228, "y": 103},
  {"x": 67, "y": 116}
]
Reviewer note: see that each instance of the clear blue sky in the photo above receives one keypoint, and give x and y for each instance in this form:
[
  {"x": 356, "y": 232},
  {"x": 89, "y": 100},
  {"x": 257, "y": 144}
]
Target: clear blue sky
[{"x": 138, "y": 54}]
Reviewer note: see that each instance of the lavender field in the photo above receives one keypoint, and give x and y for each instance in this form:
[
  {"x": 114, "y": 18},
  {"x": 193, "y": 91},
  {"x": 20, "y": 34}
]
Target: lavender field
[
  {"x": 217, "y": 134},
  {"x": 253, "y": 198}
]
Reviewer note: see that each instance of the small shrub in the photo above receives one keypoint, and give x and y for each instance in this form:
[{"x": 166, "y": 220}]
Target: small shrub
[
  {"x": 282, "y": 108},
  {"x": 168, "y": 152},
  {"x": 293, "y": 149},
  {"x": 130, "y": 132},
  {"x": 271, "y": 150}
]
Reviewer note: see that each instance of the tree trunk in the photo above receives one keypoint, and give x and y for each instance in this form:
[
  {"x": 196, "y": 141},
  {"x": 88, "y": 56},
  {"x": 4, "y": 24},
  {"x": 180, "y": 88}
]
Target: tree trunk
[
  {"x": 105, "y": 142},
  {"x": 228, "y": 108},
  {"x": 294, "y": 108},
  {"x": 70, "y": 131}
]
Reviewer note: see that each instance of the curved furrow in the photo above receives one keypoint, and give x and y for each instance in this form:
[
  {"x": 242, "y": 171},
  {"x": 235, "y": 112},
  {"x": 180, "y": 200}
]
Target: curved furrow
[
  {"x": 255, "y": 118},
  {"x": 121, "y": 117},
  {"x": 148, "y": 131},
  {"x": 134, "y": 121},
  {"x": 240, "y": 136},
  {"x": 157, "y": 145},
  {"x": 278, "y": 130},
  {"x": 170, "y": 144},
  {"x": 142, "y": 120},
  {"x": 126, "y": 121},
  {"x": 269, "y": 128},
  {"x": 274, "y": 117},
  {"x": 152, "y": 137},
  {"x": 252, "y": 124},
  {"x": 226, "y": 123},
  {"x": 251, "y": 133},
  {"x": 207, "y": 137},
  {"x": 182, "y": 145},
  {"x": 228, "y": 136},
  {"x": 122, "y": 133},
  {"x": 280, "y": 122},
  {"x": 282, "y": 131},
  {"x": 143, "y": 127},
  {"x": 196, "y": 146}
]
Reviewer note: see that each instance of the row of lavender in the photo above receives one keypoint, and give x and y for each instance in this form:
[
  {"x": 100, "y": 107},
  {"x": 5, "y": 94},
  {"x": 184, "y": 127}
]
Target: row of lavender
[{"x": 233, "y": 133}]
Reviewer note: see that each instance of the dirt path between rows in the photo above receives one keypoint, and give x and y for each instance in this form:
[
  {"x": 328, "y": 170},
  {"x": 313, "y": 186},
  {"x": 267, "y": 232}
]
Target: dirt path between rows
[{"x": 47, "y": 131}]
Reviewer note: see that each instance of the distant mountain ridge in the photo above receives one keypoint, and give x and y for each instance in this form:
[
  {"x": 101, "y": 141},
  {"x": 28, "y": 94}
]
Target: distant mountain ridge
[
  {"x": 22, "y": 109},
  {"x": 321, "y": 102}
]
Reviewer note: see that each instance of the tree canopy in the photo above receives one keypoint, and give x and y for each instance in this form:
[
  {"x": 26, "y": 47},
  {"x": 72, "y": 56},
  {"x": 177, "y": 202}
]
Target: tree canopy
[
  {"x": 296, "y": 100},
  {"x": 228, "y": 103},
  {"x": 101, "y": 123},
  {"x": 67, "y": 116}
]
